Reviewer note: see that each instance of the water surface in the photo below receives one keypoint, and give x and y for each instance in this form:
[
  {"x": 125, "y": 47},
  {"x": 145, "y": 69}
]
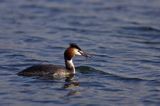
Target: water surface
[{"x": 124, "y": 37}]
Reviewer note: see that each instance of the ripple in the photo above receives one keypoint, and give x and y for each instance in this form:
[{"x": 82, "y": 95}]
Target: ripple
[
  {"x": 91, "y": 71},
  {"x": 142, "y": 28},
  {"x": 86, "y": 69},
  {"x": 33, "y": 39}
]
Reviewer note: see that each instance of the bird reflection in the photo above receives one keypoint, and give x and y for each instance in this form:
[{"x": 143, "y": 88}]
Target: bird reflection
[{"x": 71, "y": 83}]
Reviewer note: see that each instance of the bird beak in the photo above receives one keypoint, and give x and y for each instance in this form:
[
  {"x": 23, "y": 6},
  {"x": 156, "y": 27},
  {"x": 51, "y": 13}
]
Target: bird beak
[{"x": 83, "y": 53}]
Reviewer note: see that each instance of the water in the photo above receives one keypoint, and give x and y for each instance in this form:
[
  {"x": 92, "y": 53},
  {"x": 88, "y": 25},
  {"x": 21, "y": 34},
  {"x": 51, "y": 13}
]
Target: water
[{"x": 124, "y": 37}]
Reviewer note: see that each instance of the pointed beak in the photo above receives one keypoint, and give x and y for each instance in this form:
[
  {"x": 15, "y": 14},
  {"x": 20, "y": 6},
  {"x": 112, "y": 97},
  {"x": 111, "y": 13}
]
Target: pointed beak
[{"x": 83, "y": 53}]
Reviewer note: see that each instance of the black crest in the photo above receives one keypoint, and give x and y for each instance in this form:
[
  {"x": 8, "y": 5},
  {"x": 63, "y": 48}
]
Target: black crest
[{"x": 75, "y": 46}]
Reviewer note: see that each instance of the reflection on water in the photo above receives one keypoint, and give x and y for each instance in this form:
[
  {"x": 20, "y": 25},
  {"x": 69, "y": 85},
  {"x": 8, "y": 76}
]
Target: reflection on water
[{"x": 71, "y": 83}]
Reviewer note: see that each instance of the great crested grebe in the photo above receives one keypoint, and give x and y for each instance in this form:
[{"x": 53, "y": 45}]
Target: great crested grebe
[{"x": 56, "y": 71}]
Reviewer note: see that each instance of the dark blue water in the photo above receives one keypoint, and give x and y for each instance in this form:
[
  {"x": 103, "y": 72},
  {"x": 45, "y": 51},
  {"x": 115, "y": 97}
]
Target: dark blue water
[{"x": 123, "y": 35}]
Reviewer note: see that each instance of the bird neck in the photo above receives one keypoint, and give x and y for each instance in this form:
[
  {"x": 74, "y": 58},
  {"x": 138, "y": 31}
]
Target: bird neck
[{"x": 70, "y": 66}]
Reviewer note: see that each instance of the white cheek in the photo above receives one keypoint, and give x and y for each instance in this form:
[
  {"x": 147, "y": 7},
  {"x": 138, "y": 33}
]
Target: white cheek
[{"x": 77, "y": 53}]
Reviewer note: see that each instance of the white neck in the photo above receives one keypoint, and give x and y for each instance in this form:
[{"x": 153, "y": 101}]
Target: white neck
[{"x": 70, "y": 66}]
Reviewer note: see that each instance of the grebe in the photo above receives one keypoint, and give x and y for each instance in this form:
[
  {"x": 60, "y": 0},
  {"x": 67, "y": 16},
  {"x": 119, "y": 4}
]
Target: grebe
[{"x": 56, "y": 71}]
